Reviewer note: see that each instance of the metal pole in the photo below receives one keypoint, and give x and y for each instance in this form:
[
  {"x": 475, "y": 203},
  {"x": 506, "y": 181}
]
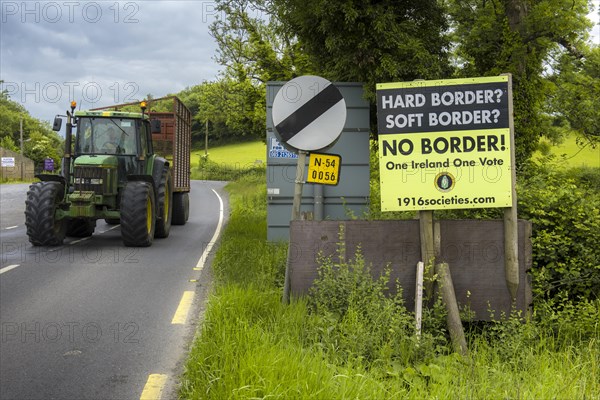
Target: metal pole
[
  {"x": 300, "y": 168},
  {"x": 206, "y": 141},
  {"x": 419, "y": 298},
  {"x": 318, "y": 202}
]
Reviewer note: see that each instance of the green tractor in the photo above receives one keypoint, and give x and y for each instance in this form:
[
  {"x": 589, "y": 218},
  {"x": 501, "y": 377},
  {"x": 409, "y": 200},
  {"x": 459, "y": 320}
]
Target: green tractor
[{"x": 110, "y": 172}]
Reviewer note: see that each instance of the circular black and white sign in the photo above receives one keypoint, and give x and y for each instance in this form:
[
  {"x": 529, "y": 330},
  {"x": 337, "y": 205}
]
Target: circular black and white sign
[{"x": 309, "y": 113}]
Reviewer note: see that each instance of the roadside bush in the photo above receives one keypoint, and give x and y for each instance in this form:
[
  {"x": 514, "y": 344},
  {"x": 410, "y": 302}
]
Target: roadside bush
[{"x": 565, "y": 210}]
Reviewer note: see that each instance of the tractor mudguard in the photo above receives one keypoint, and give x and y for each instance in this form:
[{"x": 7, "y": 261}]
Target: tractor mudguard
[{"x": 52, "y": 178}]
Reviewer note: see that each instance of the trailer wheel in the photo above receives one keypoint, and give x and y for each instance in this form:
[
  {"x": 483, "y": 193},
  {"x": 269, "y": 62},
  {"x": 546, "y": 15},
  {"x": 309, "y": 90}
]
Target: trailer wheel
[
  {"x": 165, "y": 205},
  {"x": 181, "y": 208},
  {"x": 42, "y": 228},
  {"x": 80, "y": 227},
  {"x": 138, "y": 215}
]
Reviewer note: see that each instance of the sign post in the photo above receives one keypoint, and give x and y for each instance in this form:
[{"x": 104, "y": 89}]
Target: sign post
[{"x": 309, "y": 113}]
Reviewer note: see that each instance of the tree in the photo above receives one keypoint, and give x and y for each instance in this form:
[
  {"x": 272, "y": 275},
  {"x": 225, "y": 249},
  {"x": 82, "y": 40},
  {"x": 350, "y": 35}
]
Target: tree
[
  {"x": 518, "y": 36},
  {"x": 254, "y": 45},
  {"x": 254, "y": 49},
  {"x": 41, "y": 146},
  {"x": 576, "y": 97},
  {"x": 234, "y": 109},
  {"x": 370, "y": 41},
  {"x": 40, "y": 141}
]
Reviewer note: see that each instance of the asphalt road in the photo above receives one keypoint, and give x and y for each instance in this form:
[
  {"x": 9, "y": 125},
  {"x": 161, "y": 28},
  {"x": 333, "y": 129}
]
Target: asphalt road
[{"x": 93, "y": 319}]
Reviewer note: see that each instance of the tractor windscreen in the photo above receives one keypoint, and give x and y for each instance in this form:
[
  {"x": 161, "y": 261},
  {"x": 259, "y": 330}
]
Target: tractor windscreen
[{"x": 103, "y": 135}]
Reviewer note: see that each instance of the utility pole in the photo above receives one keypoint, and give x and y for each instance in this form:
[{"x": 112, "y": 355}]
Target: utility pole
[
  {"x": 206, "y": 141},
  {"x": 21, "y": 135}
]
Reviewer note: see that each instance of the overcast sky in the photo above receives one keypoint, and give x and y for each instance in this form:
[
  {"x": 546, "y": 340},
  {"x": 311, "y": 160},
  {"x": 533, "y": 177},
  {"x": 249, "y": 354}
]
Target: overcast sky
[
  {"x": 102, "y": 52},
  {"x": 105, "y": 52}
]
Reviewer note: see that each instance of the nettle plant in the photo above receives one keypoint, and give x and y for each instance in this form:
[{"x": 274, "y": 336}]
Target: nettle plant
[{"x": 353, "y": 316}]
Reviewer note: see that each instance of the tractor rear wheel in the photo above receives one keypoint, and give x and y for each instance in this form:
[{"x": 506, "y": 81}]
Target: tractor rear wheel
[
  {"x": 138, "y": 215},
  {"x": 181, "y": 208},
  {"x": 165, "y": 205},
  {"x": 43, "y": 228}
]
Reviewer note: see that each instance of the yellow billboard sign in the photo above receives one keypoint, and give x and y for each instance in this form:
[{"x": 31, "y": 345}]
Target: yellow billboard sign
[{"x": 445, "y": 144}]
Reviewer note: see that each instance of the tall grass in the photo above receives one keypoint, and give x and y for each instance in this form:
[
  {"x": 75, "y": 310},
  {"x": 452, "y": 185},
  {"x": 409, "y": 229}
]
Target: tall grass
[{"x": 252, "y": 346}]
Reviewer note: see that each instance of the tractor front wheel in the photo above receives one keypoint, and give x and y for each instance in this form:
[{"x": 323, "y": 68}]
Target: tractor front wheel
[
  {"x": 138, "y": 215},
  {"x": 43, "y": 228},
  {"x": 165, "y": 205}
]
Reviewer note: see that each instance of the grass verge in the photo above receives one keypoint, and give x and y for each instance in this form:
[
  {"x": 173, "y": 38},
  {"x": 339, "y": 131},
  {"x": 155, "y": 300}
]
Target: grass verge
[{"x": 252, "y": 346}]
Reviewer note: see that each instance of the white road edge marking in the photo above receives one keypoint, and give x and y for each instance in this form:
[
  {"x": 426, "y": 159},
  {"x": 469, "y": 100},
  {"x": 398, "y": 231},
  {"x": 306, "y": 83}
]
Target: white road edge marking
[
  {"x": 11, "y": 227},
  {"x": 80, "y": 240},
  {"x": 8, "y": 268},
  {"x": 109, "y": 229},
  {"x": 213, "y": 240}
]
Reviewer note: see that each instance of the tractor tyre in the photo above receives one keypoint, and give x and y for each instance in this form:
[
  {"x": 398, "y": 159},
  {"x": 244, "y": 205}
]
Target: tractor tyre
[
  {"x": 42, "y": 227},
  {"x": 138, "y": 216},
  {"x": 181, "y": 208},
  {"x": 165, "y": 205},
  {"x": 80, "y": 227},
  {"x": 112, "y": 221}
]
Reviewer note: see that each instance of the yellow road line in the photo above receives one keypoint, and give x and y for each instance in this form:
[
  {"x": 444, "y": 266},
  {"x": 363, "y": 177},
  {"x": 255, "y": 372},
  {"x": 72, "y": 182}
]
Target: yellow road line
[
  {"x": 154, "y": 387},
  {"x": 184, "y": 308}
]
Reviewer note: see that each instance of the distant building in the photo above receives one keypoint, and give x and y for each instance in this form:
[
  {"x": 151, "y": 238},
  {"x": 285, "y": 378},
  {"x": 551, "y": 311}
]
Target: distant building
[{"x": 15, "y": 166}]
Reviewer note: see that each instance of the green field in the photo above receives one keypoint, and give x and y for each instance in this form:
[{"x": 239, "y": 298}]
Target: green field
[
  {"x": 574, "y": 155},
  {"x": 234, "y": 155},
  {"x": 247, "y": 154}
]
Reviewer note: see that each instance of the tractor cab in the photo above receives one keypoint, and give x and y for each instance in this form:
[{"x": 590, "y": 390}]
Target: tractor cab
[{"x": 106, "y": 138}]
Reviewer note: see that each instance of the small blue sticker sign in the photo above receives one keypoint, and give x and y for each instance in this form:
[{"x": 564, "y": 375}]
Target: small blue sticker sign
[{"x": 276, "y": 150}]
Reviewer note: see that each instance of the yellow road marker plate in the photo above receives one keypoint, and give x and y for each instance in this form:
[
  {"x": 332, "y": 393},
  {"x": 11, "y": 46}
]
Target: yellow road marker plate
[{"x": 324, "y": 168}]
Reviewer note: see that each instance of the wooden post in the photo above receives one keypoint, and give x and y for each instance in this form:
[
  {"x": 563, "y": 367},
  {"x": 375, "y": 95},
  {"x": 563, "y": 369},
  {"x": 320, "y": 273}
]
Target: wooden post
[
  {"x": 457, "y": 335},
  {"x": 511, "y": 251},
  {"x": 511, "y": 228},
  {"x": 427, "y": 247},
  {"x": 300, "y": 168}
]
